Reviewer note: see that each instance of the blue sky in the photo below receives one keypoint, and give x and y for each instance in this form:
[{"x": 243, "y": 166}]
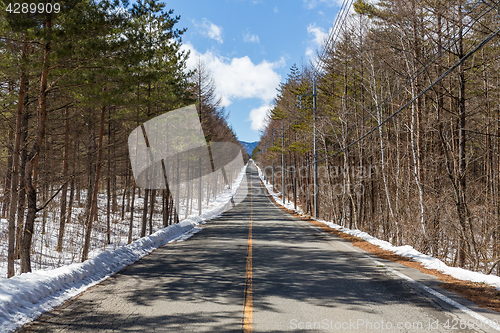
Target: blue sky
[{"x": 249, "y": 47}]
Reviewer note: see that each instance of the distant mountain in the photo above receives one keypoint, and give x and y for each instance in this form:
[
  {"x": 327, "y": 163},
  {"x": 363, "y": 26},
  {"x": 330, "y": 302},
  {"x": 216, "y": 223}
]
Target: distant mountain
[{"x": 249, "y": 146}]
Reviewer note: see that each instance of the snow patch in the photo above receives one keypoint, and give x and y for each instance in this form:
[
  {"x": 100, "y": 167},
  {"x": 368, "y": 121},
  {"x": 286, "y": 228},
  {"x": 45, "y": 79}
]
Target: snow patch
[{"x": 25, "y": 297}]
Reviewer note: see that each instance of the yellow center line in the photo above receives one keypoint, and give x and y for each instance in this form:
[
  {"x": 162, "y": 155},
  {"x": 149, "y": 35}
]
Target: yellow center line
[{"x": 247, "y": 300}]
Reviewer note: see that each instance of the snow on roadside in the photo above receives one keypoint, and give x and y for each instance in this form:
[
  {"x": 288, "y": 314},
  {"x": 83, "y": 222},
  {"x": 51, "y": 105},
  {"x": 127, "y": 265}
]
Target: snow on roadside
[
  {"x": 25, "y": 297},
  {"x": 405, "y": 251},
  {"x": 275, "y": 195}
]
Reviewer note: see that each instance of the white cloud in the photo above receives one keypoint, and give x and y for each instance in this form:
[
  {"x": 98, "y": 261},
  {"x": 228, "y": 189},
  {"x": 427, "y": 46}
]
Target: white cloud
[
  {"x": 258, "y": 117},
  {"x": 310, "y": 52},
  {"x": 319, "y": 38},
  {"x": 210, "y": 30},
  {"x": 314, "y": 3},
  {"x": 318, "y": 33},
  {"x": 275, "y": 9},
  {"x": 249, "y": 38},
  {"x": 238, "y": 78}
]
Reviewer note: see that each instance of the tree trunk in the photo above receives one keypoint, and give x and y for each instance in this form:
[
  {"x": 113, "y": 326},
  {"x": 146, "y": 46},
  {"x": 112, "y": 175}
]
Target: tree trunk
[
  {"x": 8, "y": 176},
  {"x": 22, "y": 185},
  {"x": 462, "y": 209},
  {"x": 131, "y": 224},
  {"x": 151, "y": 212},
  {"x": 108, "y": 207},
  {"x": 93, "y": 209},
  {"x": 62, "y": 218},
  {"x": 15, "y": 172},
  {"x": 165, "y": 210},
  {"x": 32, "y": 162},
  {"x": 125, "y": 191},
  {"x": 108, "y": 184},
  {"x": 145, "y": 213}
]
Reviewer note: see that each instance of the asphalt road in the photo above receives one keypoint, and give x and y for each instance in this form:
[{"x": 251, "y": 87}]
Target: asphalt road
[{"x": 257, "y": 268}]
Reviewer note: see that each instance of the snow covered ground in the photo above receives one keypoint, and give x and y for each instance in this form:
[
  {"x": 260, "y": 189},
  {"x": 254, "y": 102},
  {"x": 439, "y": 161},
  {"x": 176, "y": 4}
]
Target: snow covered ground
[
  {"x": 405, "y": 251},
  {"x": 24, "y": 297}
]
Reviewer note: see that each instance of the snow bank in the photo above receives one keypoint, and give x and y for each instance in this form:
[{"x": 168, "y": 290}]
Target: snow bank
[
  {"x": 25, "y": 297},
  {"x": 426, "y": 260},
  {"x": 275, "y": 195},
  {"x": 405, "y": 251}
]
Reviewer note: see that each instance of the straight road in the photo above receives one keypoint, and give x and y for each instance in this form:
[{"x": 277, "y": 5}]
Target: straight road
[{"x": 257, "y": 268}]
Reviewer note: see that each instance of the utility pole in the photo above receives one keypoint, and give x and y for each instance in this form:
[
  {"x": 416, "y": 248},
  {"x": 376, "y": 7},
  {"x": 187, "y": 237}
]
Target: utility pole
[
  {"x": 315, "y": 153},
  {"x": 199, "y": 158},
  {"x": 283, "y": 161},
  {"x": 273, "y": 162}
]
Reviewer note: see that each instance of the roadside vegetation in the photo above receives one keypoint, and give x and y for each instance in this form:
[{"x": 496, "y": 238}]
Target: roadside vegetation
[
  {"x": 73, "y": 85},
  {"x": 426, "y": 173}
]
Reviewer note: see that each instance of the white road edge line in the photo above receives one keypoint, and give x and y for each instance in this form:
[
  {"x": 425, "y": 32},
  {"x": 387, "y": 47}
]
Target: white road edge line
[
  {"x": 442, "y": 297},
  {"x": 315, "y": 228},
  {"x": 433, "y": 292}
]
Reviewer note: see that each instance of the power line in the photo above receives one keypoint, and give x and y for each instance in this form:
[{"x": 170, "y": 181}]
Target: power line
[
  {"x": 470, "y": 53},
  {"x": 332, "y": 35},
  {"x": 424, "y": 67},
  {"x": 341, "y": 17}
]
